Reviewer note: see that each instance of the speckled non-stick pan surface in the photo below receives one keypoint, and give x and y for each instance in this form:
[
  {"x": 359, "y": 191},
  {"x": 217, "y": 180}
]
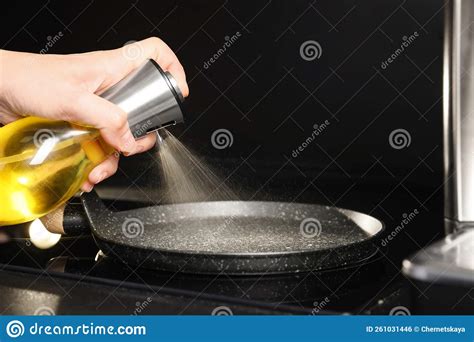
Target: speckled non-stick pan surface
[{"x": 233, "y": 237}]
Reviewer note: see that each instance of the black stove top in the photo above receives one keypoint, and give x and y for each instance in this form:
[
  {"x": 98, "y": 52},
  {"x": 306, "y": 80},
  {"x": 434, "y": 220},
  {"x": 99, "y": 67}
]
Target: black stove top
[{"x": 351, "y": 289}]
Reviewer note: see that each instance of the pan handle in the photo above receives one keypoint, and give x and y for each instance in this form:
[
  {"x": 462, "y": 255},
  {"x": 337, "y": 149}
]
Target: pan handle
[
  {"x": 69, "y": 219},
  {"x": 78, "y": 216},
  {"x": 94, "y": 207}
]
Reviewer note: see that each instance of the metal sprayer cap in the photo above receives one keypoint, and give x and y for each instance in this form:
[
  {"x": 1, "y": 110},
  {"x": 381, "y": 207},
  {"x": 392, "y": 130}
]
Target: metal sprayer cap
[{"x": 150, "y": 97}]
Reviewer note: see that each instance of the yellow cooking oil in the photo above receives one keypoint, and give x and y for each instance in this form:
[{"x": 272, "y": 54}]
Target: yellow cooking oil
[{"x": 43, "y": 163}]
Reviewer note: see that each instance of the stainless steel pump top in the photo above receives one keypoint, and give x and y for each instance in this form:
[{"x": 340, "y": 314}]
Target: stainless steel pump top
[{"x": 150, "y": 97}]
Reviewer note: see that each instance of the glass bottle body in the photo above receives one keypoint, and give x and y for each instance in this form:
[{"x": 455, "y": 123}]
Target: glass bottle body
[{"x": 43, "y": 163}]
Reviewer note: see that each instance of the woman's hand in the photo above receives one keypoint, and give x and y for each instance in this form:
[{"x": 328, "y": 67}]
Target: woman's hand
[{"x": 65, "y": 87}]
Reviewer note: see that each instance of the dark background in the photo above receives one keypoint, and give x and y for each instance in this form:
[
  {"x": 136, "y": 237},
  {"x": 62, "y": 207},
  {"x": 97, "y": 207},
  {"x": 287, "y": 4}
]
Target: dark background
[{"x": 269, "y": 97}]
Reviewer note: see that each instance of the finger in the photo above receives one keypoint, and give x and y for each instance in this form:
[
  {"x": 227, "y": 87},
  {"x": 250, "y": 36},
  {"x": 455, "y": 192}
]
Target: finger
[
  {"x": 97, "y": 112},
  {"x": 146, "y": 143},
  {"x": 120, "y": 62},
  {"x": 87, "y": 186},
  {"x": 104, "y": 170}
]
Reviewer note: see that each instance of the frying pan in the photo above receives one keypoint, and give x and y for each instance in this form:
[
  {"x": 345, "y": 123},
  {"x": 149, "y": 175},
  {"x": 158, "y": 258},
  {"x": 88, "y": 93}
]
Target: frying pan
[{"x": 231, "y": 237}]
